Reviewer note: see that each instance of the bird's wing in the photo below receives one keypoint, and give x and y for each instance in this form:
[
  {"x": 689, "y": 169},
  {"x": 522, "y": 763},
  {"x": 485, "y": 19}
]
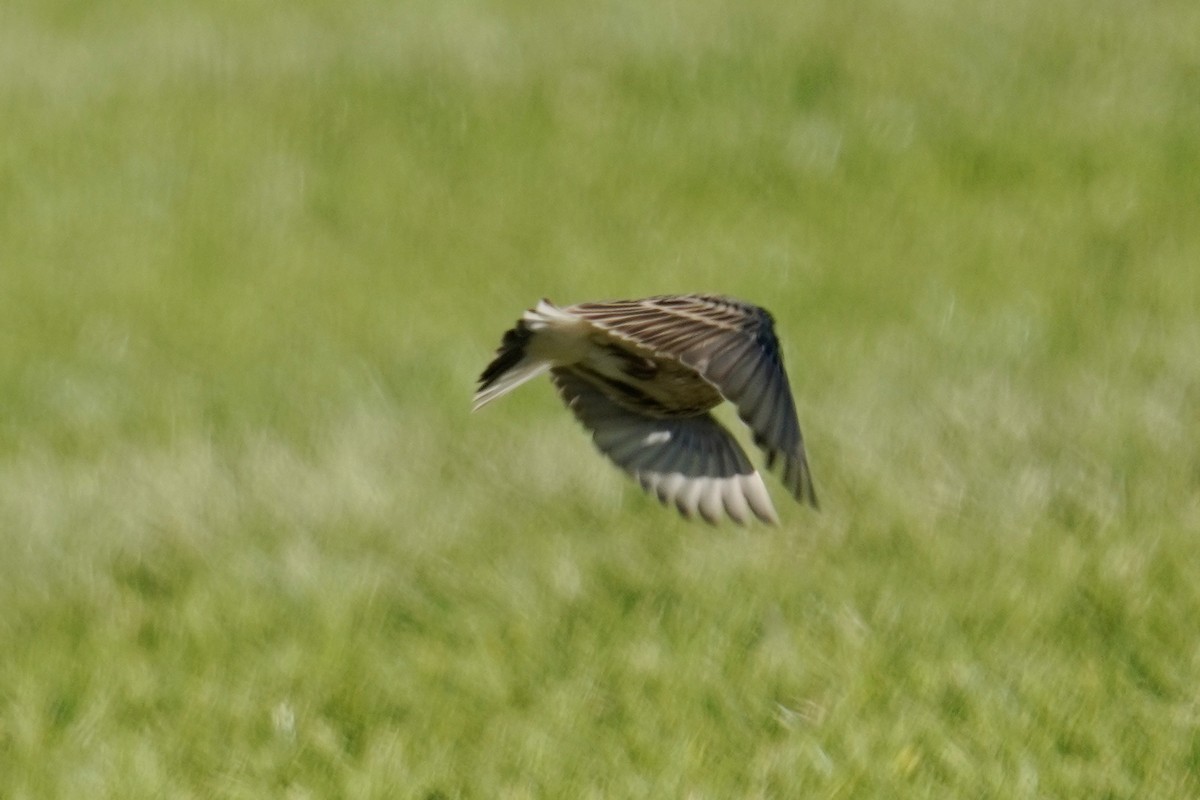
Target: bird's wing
[
  {"x": 691, "y": 462},
  {"x": 732, "y": 345}
]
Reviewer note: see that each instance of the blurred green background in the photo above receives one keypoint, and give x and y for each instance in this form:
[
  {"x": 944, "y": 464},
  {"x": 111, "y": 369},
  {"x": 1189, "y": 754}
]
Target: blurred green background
[{"x": 253, "y": 255}]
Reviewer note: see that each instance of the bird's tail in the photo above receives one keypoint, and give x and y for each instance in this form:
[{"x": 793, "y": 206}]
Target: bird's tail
[{"x": 519, "y": 358}]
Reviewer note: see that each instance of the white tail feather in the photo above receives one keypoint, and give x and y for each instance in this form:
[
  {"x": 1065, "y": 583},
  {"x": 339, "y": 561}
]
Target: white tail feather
[{"x": 528, "y": 369}]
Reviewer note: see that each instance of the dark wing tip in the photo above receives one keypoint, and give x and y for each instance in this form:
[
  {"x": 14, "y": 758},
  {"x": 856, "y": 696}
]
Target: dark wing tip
[{"x": 808, "y": 492}]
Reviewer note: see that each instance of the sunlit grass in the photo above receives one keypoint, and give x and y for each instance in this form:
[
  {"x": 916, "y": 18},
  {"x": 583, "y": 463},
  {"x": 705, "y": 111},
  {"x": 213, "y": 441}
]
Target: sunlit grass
[{"x": 253, "y": 257}]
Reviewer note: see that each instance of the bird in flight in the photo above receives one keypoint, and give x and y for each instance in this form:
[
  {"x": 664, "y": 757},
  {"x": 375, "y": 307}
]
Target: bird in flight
[{"x": 642, "y": 377}]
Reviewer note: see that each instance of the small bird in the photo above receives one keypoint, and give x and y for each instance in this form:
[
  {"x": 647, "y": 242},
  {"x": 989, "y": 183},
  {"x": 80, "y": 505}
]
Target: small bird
[{"x": 642, "y": 376}]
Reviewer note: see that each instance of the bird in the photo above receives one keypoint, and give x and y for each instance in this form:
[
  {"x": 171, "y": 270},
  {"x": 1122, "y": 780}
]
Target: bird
[{"x": 643, "y": 377}]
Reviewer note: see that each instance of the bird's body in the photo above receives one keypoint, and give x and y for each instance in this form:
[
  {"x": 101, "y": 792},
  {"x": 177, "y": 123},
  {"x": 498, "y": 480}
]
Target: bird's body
[{"x": 642, "y": 376}]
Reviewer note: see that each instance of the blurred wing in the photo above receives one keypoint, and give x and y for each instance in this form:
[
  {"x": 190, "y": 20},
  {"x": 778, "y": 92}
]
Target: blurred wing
[
  {"x": 691, "y": 462},
  {"x": 732, "y": 345}
]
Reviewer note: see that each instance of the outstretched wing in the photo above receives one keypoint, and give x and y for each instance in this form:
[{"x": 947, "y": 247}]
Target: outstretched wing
[
  {"x": 732, "y": 345},
  {"x": 691, "y": 462}
]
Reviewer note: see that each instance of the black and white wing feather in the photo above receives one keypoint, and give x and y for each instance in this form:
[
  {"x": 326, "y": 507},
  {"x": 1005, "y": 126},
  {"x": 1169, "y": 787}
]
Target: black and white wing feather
[
  {"x": 691, "y": 462},
  {"x": 733, "y": 346}
]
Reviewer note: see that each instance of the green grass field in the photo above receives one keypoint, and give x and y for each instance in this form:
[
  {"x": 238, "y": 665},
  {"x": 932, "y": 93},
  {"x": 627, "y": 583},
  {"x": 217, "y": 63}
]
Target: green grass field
[{"x": 253, "y": 255}]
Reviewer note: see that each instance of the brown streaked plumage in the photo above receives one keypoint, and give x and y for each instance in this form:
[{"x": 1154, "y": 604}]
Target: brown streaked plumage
[{"x": 642, "y": 376}]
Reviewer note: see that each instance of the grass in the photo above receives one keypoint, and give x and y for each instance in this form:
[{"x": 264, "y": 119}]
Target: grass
[{"x": 255, "y": 254}]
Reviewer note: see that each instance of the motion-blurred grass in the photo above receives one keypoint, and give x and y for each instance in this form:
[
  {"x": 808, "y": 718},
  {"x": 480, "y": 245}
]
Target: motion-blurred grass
[{"x": 252, "y": 256}]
